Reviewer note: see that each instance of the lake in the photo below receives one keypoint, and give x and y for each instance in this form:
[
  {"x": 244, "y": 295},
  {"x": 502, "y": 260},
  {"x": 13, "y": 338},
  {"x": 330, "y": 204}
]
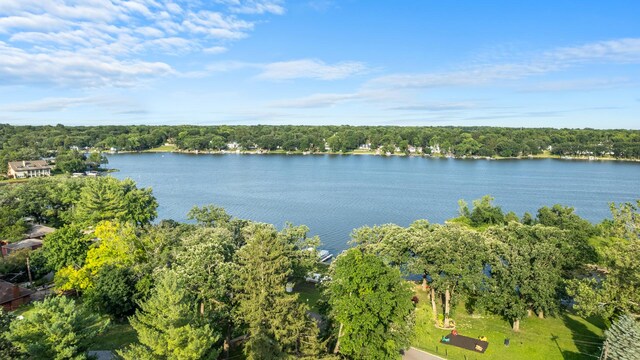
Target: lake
[{"x": 334, "y": 194}]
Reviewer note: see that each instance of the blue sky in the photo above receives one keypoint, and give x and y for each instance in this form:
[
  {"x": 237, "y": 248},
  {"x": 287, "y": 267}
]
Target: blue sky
[{"x": 538, "y": 63}]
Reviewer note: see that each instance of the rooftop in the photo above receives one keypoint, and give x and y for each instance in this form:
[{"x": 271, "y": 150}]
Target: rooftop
[
  {"x": 29, "y": 165},
  {"x": 38, "y": 231},
  {"x": 9, "y": 292},
  {"x": 23, "y": 244}
]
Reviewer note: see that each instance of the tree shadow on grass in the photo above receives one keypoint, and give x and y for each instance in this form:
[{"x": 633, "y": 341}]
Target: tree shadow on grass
[{"x": 588, "y": 343}]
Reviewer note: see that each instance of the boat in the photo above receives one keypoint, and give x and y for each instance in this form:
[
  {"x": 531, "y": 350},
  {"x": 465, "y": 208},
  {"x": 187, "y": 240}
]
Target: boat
[{"x": 324, "y": 255}]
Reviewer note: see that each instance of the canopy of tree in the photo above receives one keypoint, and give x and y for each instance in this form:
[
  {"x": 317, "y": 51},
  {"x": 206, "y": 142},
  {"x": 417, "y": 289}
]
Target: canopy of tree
[{"x": 188, "y": 290}]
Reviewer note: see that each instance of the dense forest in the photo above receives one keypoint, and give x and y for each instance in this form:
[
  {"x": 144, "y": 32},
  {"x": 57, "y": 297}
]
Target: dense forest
[
  {"x": 205, "y": 289},
  {"x": 32, "y": 142}
]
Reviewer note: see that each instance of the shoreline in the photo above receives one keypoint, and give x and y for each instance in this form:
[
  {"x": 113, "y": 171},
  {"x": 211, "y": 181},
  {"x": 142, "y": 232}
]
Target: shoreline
[{"x": 359, "y": 153}]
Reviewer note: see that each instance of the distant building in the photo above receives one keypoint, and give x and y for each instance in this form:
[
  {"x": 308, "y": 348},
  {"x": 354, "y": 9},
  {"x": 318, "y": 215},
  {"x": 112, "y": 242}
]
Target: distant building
[
  {"x": 12, "y": 295},
  {"x": 30, "y": 244},
  {"x": 38, "y": 231},
  {"x": 26, "y": 169}
]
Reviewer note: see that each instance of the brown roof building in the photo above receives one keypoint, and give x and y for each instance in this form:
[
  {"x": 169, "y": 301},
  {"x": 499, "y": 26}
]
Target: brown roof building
[
  {"x": 26, "y": 169},
  {"x": 38, "y": 231},
  {"x": 30, "y": 244},
  {"x": 12, "y": 295}
]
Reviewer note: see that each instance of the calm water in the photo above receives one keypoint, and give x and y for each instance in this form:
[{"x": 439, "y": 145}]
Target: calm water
[{"x": 334, "y": 194}]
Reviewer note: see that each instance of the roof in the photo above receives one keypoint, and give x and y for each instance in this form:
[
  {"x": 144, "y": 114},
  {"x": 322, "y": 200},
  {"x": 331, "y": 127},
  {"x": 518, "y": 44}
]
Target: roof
[
  {"x": 29, "y": 165},
  {"x": 7, "y": 292},
  {"x": 23, "y": 244},
  {"x": 38, "y": 231}
]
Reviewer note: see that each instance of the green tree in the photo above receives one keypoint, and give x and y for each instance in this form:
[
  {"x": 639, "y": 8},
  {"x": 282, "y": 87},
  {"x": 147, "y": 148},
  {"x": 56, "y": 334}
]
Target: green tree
[
  {"x": 612, "y": 288},
  {"x": 107, "y": 198},
  {"x": 12, "y": 224},
  {"x": 56, "y": 329},
  {"x": 622, "y": 339},
  {"x": 70, "y": 161},
  {"x": 276, "y": 322},
  {"x": 484, "y": 212},
  {"x": 454, "y": 258},
  {"x": 95, "y": 159},
  {"x": 168, "y": 328},
  {"x": 579, "y": 231},
  {"x": 372, "y": 303},
  {"x": 66, "y": 246},
  {"x": 525, "y": 271},
  {"x": 206, "y": 267},
  {"x": 7, "y": 349},
  {"x": 113, "y": 292},
  {"x": 209, "y": 216},
  {"x": 388, "y": 241},
  {"x": 118, "y": 245}
]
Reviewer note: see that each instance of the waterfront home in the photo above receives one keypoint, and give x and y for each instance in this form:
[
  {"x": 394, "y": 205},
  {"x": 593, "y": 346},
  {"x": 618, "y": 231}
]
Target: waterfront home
[
  {"x": 30, "y": 244},
  {"x": 29, "y": 168},
  {"x": 13, "y": 295},
  {"x": 233, "y": 145}
]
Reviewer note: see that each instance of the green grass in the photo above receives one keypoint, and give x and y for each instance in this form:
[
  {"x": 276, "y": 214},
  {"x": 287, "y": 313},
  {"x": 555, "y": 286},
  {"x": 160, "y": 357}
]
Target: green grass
[
  {"x": 23, "y": 310},
  {"x": 116, "y": 336},
  {"x": 309, "y": 294},
  {"x": 163, "y": 148},
  {"x": 565, "y": 336}
]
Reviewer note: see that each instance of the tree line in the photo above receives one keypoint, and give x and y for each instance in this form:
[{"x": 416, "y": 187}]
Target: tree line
[
  {"x": 196, "y": 290},
  {"x": 33, "y": 142}
]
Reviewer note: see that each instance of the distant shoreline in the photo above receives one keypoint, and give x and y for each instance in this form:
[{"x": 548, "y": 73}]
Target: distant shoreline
[{"x": 369, "y": 153}]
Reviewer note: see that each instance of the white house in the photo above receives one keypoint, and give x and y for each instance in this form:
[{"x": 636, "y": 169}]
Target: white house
[{"x": 27, "y": 169}]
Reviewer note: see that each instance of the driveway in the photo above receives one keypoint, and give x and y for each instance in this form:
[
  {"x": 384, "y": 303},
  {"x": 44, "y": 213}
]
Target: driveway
[{"x": 415, "y": 354}]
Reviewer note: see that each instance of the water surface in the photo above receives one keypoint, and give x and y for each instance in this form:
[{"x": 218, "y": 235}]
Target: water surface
[{"x": 334, "y": 194}]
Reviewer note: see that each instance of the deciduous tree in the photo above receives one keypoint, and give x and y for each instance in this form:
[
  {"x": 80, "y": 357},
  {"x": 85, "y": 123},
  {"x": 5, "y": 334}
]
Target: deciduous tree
[{"x": 372, "y": 303}]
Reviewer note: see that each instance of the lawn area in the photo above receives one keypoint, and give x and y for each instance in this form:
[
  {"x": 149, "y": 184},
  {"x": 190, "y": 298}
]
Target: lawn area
[
  {"x": 163, "y": 148},
  {"x": 309, "y": 294},
  {"x": 116, "y": 336},
  {"x": 565, "y": 336},
  {"x": 23, "y": 309}
]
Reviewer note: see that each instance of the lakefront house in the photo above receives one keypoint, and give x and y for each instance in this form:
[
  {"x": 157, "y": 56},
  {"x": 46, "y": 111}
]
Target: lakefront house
[{"x": 27, "y": 169}]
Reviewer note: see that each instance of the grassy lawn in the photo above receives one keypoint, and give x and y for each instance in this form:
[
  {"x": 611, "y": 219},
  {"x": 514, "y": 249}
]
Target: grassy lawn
[
  {"x": 309, "y": 294},
  {"x": 116, "y": 336},
  {"x": 163, "y": 148},
  {"x": 565, "y": 336},
  {"x": 23, "y": 309}
]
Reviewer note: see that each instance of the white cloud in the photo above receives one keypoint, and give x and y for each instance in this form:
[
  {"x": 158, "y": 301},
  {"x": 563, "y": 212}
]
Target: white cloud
[
  {"x": 332, "y": 99},
  {"x": 316, "y": 101},
  {"x": 64, "y": 36},
  {"x": 215, "y": 50},
  {"x": 437, "y": 107},
  {"x": 255, "y": 6},
  {"x": 288, "y": 70},
  {"x": 579, "y": 84},
  {"x": 115, "y": 104},
  {"x": 612, "y": 51},
  {"x": 311, "y": 69},
  {"x": 73, "y": 69},
  {"x": 618, "y": 51}
]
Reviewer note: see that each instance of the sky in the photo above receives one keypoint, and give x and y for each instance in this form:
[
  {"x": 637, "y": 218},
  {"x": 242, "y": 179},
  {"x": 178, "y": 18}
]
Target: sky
[{"x": 543, "y": 63}]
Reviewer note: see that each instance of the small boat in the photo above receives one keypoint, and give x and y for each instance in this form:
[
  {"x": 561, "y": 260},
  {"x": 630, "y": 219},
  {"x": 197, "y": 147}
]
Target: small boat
[{"x": 324, "y": 255}]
